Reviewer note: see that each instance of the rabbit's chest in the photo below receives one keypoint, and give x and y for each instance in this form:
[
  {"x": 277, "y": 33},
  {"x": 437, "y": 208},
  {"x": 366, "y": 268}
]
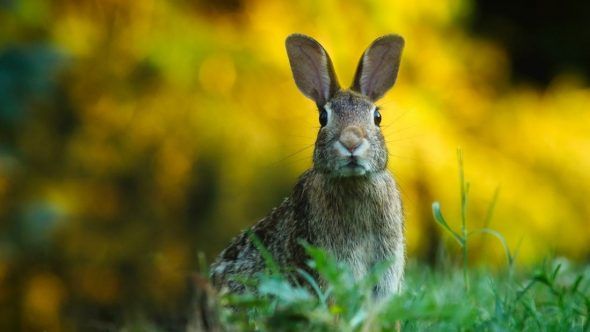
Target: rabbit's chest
[
  {"x": 360, "y": 254},
  {"x": 359, "y": 225},
  {"x": 361, "y": 243}
]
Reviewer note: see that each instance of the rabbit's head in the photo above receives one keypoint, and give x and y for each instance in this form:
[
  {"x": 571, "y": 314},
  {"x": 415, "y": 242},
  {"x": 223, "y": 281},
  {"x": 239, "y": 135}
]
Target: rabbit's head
[{"x": 350, "y": 141}]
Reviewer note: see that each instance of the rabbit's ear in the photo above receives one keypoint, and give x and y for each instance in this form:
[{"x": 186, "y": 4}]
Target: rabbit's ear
[
  {"x": 312, "y": 68},
  {"x": 377, "y": 69}
]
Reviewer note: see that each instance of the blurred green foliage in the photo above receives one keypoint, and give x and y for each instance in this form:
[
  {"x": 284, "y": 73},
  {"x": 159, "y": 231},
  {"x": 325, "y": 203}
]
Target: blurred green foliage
[{"x": 135, "y": 134}]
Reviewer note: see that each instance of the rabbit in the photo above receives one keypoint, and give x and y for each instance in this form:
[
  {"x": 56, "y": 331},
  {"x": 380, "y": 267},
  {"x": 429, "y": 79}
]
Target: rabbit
[{"x": 348, "y": 203}]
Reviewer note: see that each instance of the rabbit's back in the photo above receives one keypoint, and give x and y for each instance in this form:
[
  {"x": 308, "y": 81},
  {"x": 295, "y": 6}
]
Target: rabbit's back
[{"x": 276, "y": 235}]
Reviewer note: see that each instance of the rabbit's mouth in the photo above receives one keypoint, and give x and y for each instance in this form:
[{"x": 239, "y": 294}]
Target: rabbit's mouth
[{"x": 352, "y": 166}]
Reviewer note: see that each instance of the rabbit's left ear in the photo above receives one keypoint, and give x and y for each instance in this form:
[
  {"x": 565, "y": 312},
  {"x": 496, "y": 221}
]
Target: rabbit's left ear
[{"x": 378, "y": 67}]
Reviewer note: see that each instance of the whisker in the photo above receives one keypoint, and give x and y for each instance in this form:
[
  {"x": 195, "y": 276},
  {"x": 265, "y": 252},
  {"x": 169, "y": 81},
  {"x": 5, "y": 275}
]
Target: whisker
[
  {"x": 288, "y": 162},
  {"x": 404, "y": 158},
  {"x": 291, "y": 155},
  {"x": 402, "y": 139},
  {"x": 398, "y": 130},
  {"x": 299, "y": 136},
  {"x": 401, "y": 115}
]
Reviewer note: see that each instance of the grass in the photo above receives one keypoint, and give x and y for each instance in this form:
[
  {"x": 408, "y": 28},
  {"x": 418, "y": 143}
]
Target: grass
[
  {"x": 463, "y": 236},
  {"x": 552, "y": 296}
]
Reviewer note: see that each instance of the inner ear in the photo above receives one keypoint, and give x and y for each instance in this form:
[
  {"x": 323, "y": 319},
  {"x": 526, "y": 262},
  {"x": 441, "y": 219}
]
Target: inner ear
[
  {"x": 378, "y": 67},
  {"x": 312, "y": 68}
]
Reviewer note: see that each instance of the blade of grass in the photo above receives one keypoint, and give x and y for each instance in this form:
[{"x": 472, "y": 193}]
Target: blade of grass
[
  {"x": 314, "y": 285},
  {"x": 269, "y": 260},
  {"x": 464, "y": 192},
  {"x": 491, "y": 208},
  {"x": 438, "y": 217},
  {"x": 500, "y": 237}
]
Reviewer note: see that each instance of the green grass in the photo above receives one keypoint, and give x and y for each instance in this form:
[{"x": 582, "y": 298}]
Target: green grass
[
  {"x": 552, "y": 296},
  {"x": 555, "y": 296}
]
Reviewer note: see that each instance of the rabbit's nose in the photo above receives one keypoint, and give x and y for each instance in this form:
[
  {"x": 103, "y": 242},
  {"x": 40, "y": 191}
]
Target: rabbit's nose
[{"x": 351, "y": 137}]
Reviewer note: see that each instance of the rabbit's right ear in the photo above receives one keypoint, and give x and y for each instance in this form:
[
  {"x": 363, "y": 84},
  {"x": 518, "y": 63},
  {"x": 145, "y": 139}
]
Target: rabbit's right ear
[{"x": 312, "y": 68}]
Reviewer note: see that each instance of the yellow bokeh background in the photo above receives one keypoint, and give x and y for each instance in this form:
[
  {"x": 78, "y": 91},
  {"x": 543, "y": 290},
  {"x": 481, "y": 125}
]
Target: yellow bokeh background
[{"x": 183, "y": 127}]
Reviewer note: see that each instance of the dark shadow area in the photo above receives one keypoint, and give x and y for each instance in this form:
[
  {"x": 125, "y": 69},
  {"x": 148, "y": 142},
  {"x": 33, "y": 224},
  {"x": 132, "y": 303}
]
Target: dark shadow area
[{"x": 542, "y": 38}]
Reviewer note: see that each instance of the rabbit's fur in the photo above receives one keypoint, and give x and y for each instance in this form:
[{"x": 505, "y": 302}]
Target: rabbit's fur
[{"x": 348, "y": 203}]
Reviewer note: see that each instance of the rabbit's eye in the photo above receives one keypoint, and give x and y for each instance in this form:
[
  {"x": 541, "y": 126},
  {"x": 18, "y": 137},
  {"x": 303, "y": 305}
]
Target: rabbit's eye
[
  {"x": 323, "y": 117},
  {"x": 377, "y": 117}
]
